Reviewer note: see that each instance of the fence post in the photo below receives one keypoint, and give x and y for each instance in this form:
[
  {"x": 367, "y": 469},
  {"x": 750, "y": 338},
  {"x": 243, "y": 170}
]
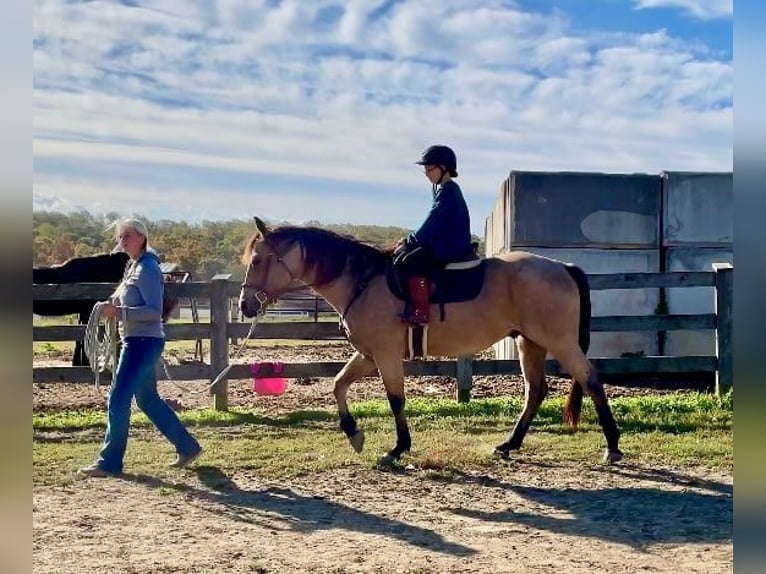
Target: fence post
[
  {"x": 219, "y": 340},
  {"x": 724, "y": 345},
  {"x": 464, "y": 379}
]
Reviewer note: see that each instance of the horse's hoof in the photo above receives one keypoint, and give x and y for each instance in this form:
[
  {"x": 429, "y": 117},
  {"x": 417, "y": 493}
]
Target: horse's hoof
[
  {"x": 502, "y": 453},
  {"x": 393, "y": 458},
  {"x": 388, "y": 461},
  {"x": 357, "y": 441},
  {"x": 612, "y": 457}
]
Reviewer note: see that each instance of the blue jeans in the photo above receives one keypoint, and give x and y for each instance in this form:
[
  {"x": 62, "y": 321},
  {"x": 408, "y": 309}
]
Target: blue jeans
[{"x": 135, "y": 375}]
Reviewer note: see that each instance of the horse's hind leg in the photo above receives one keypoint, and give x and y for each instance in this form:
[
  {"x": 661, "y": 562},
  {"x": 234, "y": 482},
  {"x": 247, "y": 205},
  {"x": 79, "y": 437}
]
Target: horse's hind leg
[
  {"x": 356, "y": 368},
  {"x": 79, "y": 358},
  {"x": 532, "y": 357},
  {"x": 576, "y": 364}
]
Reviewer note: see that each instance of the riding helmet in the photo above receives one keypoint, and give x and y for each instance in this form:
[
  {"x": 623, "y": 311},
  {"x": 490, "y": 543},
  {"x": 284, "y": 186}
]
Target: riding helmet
[{"x": 440, "y": 155}]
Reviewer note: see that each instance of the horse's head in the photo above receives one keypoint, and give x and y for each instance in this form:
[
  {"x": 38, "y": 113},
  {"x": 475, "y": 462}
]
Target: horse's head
[{"x": 271, "y": 270}]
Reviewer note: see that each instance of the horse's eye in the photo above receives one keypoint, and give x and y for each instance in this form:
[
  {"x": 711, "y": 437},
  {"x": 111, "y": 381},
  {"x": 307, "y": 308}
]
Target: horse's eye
[{"x": 256, "y": 260}]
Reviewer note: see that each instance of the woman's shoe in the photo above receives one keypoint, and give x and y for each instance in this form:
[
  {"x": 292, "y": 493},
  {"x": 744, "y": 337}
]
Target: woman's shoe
[
  {"x": 183, "y": 460},
  {"x": 94, "y": 471}
]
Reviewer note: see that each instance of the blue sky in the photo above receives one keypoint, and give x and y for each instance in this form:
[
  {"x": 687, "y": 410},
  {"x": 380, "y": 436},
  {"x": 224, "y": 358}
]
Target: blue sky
[{"x": 297, "y": 110}]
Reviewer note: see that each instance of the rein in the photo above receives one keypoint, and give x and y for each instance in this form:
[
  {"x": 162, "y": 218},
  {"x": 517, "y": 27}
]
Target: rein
[{"x": 361, "y": 285}]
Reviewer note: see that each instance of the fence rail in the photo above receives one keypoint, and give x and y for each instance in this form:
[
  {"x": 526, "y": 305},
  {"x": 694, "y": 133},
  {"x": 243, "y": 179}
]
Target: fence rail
[
  {"x": 221, "y": 329},
  {"x": 331, "y": 330}
]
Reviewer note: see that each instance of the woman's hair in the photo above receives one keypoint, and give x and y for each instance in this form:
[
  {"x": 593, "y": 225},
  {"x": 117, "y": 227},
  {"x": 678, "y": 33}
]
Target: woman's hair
[
  {"x": 119, "y": 227},
  {"x": 136, "y": 225}
]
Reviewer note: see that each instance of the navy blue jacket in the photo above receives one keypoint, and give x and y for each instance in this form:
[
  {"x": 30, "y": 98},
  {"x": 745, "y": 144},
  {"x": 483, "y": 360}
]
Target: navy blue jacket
[{"x": 446, "y": 232}]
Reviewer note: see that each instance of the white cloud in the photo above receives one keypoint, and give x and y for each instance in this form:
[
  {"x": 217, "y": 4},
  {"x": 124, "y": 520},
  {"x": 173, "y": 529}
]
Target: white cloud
[
  {"x": 158, "y": 201},
  {"x": 704, "y": 9},
  {"x": 353, "y": 91}
]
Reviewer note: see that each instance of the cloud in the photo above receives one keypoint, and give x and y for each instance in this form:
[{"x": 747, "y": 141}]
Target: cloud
[
  {"x": 352, "y": 92},
  {"x": 167, "y": 197},
  {"x": 703, "y": 9}
]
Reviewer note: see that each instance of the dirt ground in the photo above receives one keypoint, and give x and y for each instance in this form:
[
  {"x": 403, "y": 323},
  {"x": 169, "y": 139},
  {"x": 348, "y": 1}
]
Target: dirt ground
[{"x": 524, "y": 516}]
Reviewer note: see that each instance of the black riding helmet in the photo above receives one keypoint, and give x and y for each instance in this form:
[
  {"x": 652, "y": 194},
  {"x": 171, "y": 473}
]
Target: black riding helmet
[{"x": 440, "y": 155}]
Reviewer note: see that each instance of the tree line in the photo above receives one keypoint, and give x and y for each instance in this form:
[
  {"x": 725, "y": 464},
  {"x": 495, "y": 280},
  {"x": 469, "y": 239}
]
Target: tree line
[{"x": 202, "y": 249}]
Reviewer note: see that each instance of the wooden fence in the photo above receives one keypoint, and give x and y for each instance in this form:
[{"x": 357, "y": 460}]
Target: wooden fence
[{"x": 221, "y": 330}]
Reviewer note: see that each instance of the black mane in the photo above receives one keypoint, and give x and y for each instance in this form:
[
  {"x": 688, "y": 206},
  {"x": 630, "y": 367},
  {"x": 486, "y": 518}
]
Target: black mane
[{"x": 328, "y": 254}]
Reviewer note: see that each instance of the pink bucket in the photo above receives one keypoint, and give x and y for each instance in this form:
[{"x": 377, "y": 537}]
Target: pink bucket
[{"x": 273, "y": 385}]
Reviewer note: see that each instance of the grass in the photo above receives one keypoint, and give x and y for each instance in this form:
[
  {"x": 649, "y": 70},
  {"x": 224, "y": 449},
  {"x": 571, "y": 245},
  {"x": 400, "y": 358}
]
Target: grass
[{"x": 673, "y": 429}]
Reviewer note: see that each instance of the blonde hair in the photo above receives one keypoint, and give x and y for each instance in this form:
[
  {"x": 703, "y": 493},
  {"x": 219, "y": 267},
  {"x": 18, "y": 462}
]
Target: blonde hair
[
  {"x": 129, "y": 223},
  {"x": 119, "y": 227}
]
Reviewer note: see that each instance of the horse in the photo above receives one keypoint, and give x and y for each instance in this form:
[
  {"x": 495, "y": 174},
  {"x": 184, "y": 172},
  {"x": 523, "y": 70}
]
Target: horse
[
  {"x": 101, "y": 268},
  {"x": 544, "y": 304}
]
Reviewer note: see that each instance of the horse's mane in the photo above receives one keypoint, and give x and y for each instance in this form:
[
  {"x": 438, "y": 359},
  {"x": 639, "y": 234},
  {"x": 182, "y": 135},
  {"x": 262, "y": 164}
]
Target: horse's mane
[{"x": 326, "y": 253}]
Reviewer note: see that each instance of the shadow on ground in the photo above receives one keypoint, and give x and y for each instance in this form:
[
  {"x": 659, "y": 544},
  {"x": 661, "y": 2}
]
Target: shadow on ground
[
  {"x": 694, "y": 510},
  {"x": 296, "y": 511}
]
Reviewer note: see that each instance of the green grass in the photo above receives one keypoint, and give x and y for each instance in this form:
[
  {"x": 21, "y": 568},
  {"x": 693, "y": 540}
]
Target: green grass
[{"x": 673, "y": 429}]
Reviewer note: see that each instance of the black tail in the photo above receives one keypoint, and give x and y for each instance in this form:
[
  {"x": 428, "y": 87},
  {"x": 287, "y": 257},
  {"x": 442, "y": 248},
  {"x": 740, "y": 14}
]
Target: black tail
[
  {"x": 573, "y": 404},
  {"x": 583, "y": 287}
]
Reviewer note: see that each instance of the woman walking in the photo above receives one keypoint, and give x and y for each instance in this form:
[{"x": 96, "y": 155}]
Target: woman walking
[{"x": 137, "y": 306}]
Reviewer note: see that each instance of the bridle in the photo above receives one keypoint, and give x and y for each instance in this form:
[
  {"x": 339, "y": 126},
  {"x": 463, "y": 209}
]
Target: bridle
[{"x": 265, "y": 298}]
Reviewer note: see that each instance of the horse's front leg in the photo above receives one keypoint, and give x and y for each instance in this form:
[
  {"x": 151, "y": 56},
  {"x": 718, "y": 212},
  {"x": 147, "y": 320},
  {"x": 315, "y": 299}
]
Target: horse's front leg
[
  {"x": 357, "y": 367},
  {"x": 392, "y": 372}
]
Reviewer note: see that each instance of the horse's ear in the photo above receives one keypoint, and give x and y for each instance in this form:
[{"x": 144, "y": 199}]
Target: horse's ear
[{"x": 261, "y": 226}]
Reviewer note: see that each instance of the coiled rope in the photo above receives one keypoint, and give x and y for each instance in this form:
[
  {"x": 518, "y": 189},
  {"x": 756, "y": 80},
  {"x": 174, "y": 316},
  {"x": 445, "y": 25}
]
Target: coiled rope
[{"x": 101, "y": 351}]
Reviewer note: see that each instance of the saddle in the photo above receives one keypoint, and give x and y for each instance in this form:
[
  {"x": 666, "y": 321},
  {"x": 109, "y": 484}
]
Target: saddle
[{"x": 455, "y": 283}]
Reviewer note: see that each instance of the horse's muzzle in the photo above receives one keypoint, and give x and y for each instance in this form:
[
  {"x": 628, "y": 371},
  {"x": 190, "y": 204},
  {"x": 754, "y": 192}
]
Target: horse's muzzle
[
  {"x": 249, "y": 306},
  {"x": 252, "y": 304}
]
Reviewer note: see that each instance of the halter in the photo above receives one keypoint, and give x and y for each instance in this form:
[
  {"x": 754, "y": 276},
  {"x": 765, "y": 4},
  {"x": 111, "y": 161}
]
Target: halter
[{"x": 261, "y": 295}]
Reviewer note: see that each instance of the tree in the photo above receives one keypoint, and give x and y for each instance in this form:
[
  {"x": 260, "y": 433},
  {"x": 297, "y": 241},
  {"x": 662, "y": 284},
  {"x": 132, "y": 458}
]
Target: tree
[{"x": 203, "y": 249}]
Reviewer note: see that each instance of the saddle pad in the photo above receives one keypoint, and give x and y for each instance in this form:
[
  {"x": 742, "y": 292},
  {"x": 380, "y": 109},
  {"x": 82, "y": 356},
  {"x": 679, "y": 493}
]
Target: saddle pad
[
  {"x": 461, "y": 284},
  {"x": 451, "y": 285}
]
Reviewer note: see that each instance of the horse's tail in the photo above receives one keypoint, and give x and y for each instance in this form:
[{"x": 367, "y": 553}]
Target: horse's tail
[{"x": 573, "y": 404}]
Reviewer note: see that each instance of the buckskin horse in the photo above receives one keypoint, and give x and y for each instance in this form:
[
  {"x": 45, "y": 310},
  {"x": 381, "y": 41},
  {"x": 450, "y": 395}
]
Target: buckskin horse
[
  {"x": 543, "y": 303},
  {"x": 102, "y": 268}
]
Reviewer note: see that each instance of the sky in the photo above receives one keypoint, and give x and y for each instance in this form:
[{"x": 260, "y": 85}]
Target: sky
[{"x": 317, "y": 110}]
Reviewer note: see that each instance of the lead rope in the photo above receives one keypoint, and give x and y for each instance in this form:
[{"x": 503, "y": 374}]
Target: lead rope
[
  {"x": 226, "y": 369},
  {"x": 102, "y": 353}
]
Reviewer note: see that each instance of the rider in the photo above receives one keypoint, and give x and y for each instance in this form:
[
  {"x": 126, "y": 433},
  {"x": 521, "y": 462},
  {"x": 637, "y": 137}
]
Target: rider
[{"x": 444, "y": 237}]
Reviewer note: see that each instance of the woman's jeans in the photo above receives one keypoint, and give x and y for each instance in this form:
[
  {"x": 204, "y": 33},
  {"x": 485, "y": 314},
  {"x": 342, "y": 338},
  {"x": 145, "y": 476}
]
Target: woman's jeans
[{"x": 135, "y": 376}]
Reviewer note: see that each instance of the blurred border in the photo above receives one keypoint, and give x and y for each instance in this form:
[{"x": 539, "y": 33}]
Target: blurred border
[
  {"x": 15, "y": 250},
  {"x": 749, "y": 285}
]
